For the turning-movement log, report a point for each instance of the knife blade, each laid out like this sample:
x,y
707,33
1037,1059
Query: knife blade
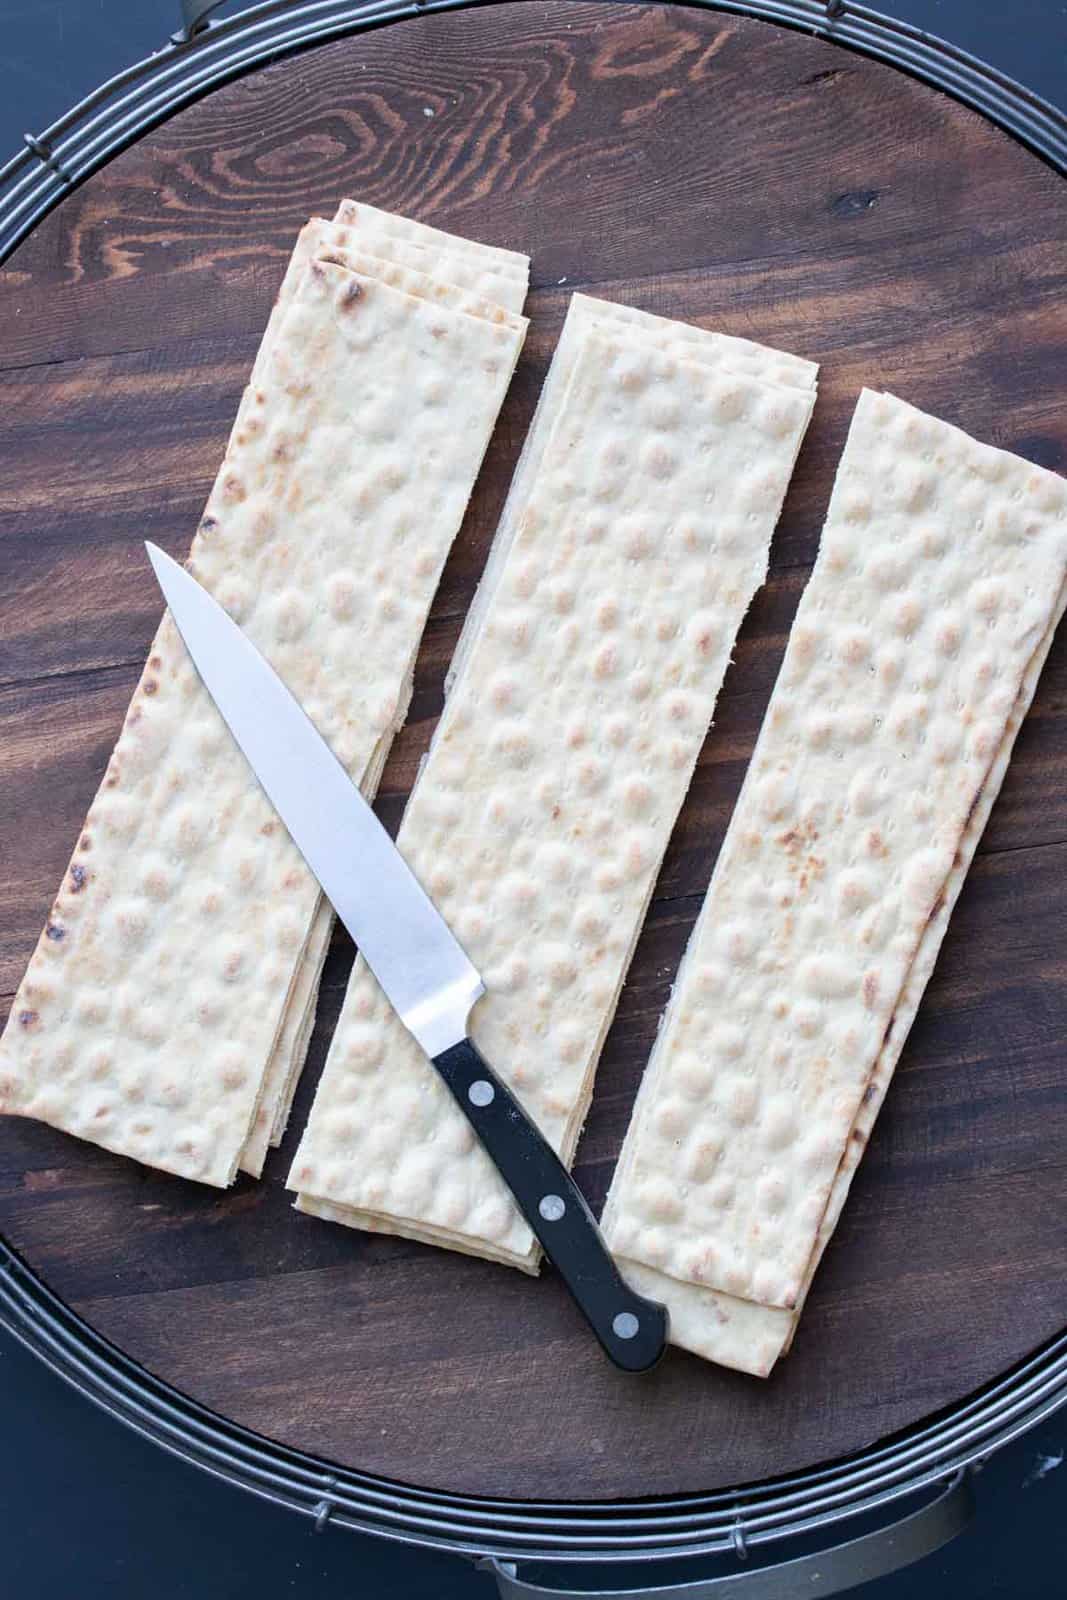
x,y
425,973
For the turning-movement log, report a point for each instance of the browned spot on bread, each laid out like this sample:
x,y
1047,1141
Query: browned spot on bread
x,y
28,1018
78,877
155,663
351,292
870,990
207,525
85,843
150,686
54,931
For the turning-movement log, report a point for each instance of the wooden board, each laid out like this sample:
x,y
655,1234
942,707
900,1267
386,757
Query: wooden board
x,y
703,167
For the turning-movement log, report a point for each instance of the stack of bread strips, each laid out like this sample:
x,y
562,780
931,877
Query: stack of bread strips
x,y
152,1004
637,537
384,246
498,276
910,666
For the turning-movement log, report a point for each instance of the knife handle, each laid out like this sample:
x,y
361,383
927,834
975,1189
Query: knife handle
x,y
632,1330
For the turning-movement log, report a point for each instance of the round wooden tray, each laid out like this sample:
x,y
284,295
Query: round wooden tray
x,y
705,167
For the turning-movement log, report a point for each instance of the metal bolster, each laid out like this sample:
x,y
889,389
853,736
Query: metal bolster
x,y
439,1021
816,1576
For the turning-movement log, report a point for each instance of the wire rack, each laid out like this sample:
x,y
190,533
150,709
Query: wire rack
x,y
199,57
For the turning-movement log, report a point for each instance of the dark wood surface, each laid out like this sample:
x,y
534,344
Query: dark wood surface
x,y
704,167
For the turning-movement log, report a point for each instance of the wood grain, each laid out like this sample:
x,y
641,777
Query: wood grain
x,y
718,170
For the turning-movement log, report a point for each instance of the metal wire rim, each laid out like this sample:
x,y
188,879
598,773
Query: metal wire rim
x,y
142,95
34,181
648,1530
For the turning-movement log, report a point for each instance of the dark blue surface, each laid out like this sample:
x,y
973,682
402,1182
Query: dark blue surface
x,y
87,1508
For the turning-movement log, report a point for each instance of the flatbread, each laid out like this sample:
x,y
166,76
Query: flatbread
x,y
358,214
151,1003
740,1333
679,339
563,755
913,657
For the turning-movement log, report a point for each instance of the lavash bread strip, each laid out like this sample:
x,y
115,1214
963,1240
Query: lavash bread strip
x,y
584,313
562,757
926,959
678,339
913,657
150,1005
750,1337
461,265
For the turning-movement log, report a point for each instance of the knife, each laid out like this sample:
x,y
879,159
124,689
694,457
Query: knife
x,y
428,978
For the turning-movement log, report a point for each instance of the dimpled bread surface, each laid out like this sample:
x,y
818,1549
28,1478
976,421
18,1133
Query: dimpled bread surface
x,y
148,1011
913,657
751,1337
679,339
431,274
563,755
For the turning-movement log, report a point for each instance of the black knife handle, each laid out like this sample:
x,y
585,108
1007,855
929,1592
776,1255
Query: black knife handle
x,y
632,1330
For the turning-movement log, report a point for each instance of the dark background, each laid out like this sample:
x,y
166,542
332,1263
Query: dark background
x,y
89,1509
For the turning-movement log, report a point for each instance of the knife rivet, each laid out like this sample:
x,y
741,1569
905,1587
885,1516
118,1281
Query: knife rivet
x,y
625,1325
551,1207
481,1093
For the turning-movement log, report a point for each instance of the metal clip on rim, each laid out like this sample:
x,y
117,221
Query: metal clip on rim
x,y
195,14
